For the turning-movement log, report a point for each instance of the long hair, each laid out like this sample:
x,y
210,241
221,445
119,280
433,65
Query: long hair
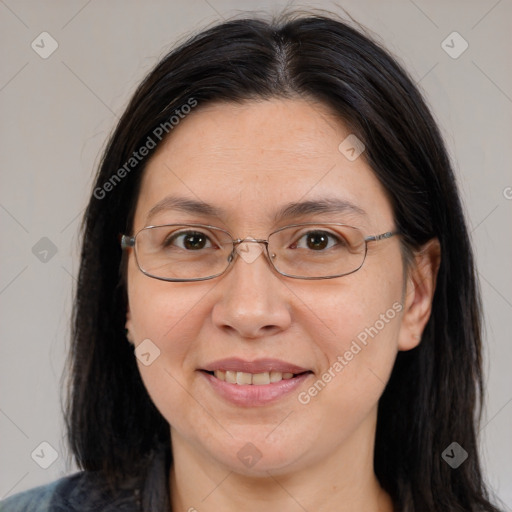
x,y
434,395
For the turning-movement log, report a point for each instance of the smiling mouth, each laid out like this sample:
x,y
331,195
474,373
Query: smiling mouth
x,y
253,379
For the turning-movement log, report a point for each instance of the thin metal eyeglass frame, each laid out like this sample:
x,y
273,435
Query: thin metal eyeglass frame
x,y
128,242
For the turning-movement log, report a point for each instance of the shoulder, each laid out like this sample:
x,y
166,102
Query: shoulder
x,y
36,499
82,491
89,491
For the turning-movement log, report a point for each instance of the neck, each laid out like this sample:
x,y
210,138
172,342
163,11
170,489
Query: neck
x,y
344,481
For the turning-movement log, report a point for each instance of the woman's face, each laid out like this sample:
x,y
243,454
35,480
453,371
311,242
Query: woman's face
x,y
341,335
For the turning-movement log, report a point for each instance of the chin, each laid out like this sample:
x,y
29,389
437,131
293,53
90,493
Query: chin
x,y
255,455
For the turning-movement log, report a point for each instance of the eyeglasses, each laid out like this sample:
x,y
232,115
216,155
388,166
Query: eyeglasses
x,y
197,252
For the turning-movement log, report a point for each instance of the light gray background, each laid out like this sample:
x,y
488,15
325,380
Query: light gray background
x,y
56,114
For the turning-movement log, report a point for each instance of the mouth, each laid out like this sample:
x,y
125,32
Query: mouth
x,y
253,383
253,379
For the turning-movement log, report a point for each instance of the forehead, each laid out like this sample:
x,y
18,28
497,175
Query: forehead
x,y
252,161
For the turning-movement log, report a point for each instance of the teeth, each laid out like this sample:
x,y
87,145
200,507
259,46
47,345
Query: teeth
x,y
243,378
276,376
261,378
256,379
230,377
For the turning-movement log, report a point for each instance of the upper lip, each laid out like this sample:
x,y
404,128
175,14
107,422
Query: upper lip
x,y
234,364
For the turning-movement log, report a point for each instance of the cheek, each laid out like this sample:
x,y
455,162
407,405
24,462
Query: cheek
x,y
171,316
358,308
358,322
158,308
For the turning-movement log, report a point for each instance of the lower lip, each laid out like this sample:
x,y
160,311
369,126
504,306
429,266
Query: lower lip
x,y
250,395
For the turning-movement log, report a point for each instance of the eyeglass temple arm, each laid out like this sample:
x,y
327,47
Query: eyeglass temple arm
x,y
383,236
126,241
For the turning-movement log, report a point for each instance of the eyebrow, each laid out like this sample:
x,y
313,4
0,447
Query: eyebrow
x,y
324,205
288,211
186,205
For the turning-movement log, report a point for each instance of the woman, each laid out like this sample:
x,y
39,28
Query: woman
x,y
277,304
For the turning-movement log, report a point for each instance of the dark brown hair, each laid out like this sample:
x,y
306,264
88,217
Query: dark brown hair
x,y
434,394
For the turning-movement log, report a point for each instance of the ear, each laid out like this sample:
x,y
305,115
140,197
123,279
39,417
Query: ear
x,y
419,293
129,327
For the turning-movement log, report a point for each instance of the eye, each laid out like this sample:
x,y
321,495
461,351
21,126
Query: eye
x,y
318,241
188,240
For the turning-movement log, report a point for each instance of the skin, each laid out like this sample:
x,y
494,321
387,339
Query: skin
x,y
251,159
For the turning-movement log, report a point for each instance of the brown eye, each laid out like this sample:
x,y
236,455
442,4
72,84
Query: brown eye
x,y
318,241
189,240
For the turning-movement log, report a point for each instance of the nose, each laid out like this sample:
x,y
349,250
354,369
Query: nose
x,y
252,300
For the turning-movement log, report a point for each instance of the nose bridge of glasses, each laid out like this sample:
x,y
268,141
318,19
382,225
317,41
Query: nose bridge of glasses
x,y
249,239
249,248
